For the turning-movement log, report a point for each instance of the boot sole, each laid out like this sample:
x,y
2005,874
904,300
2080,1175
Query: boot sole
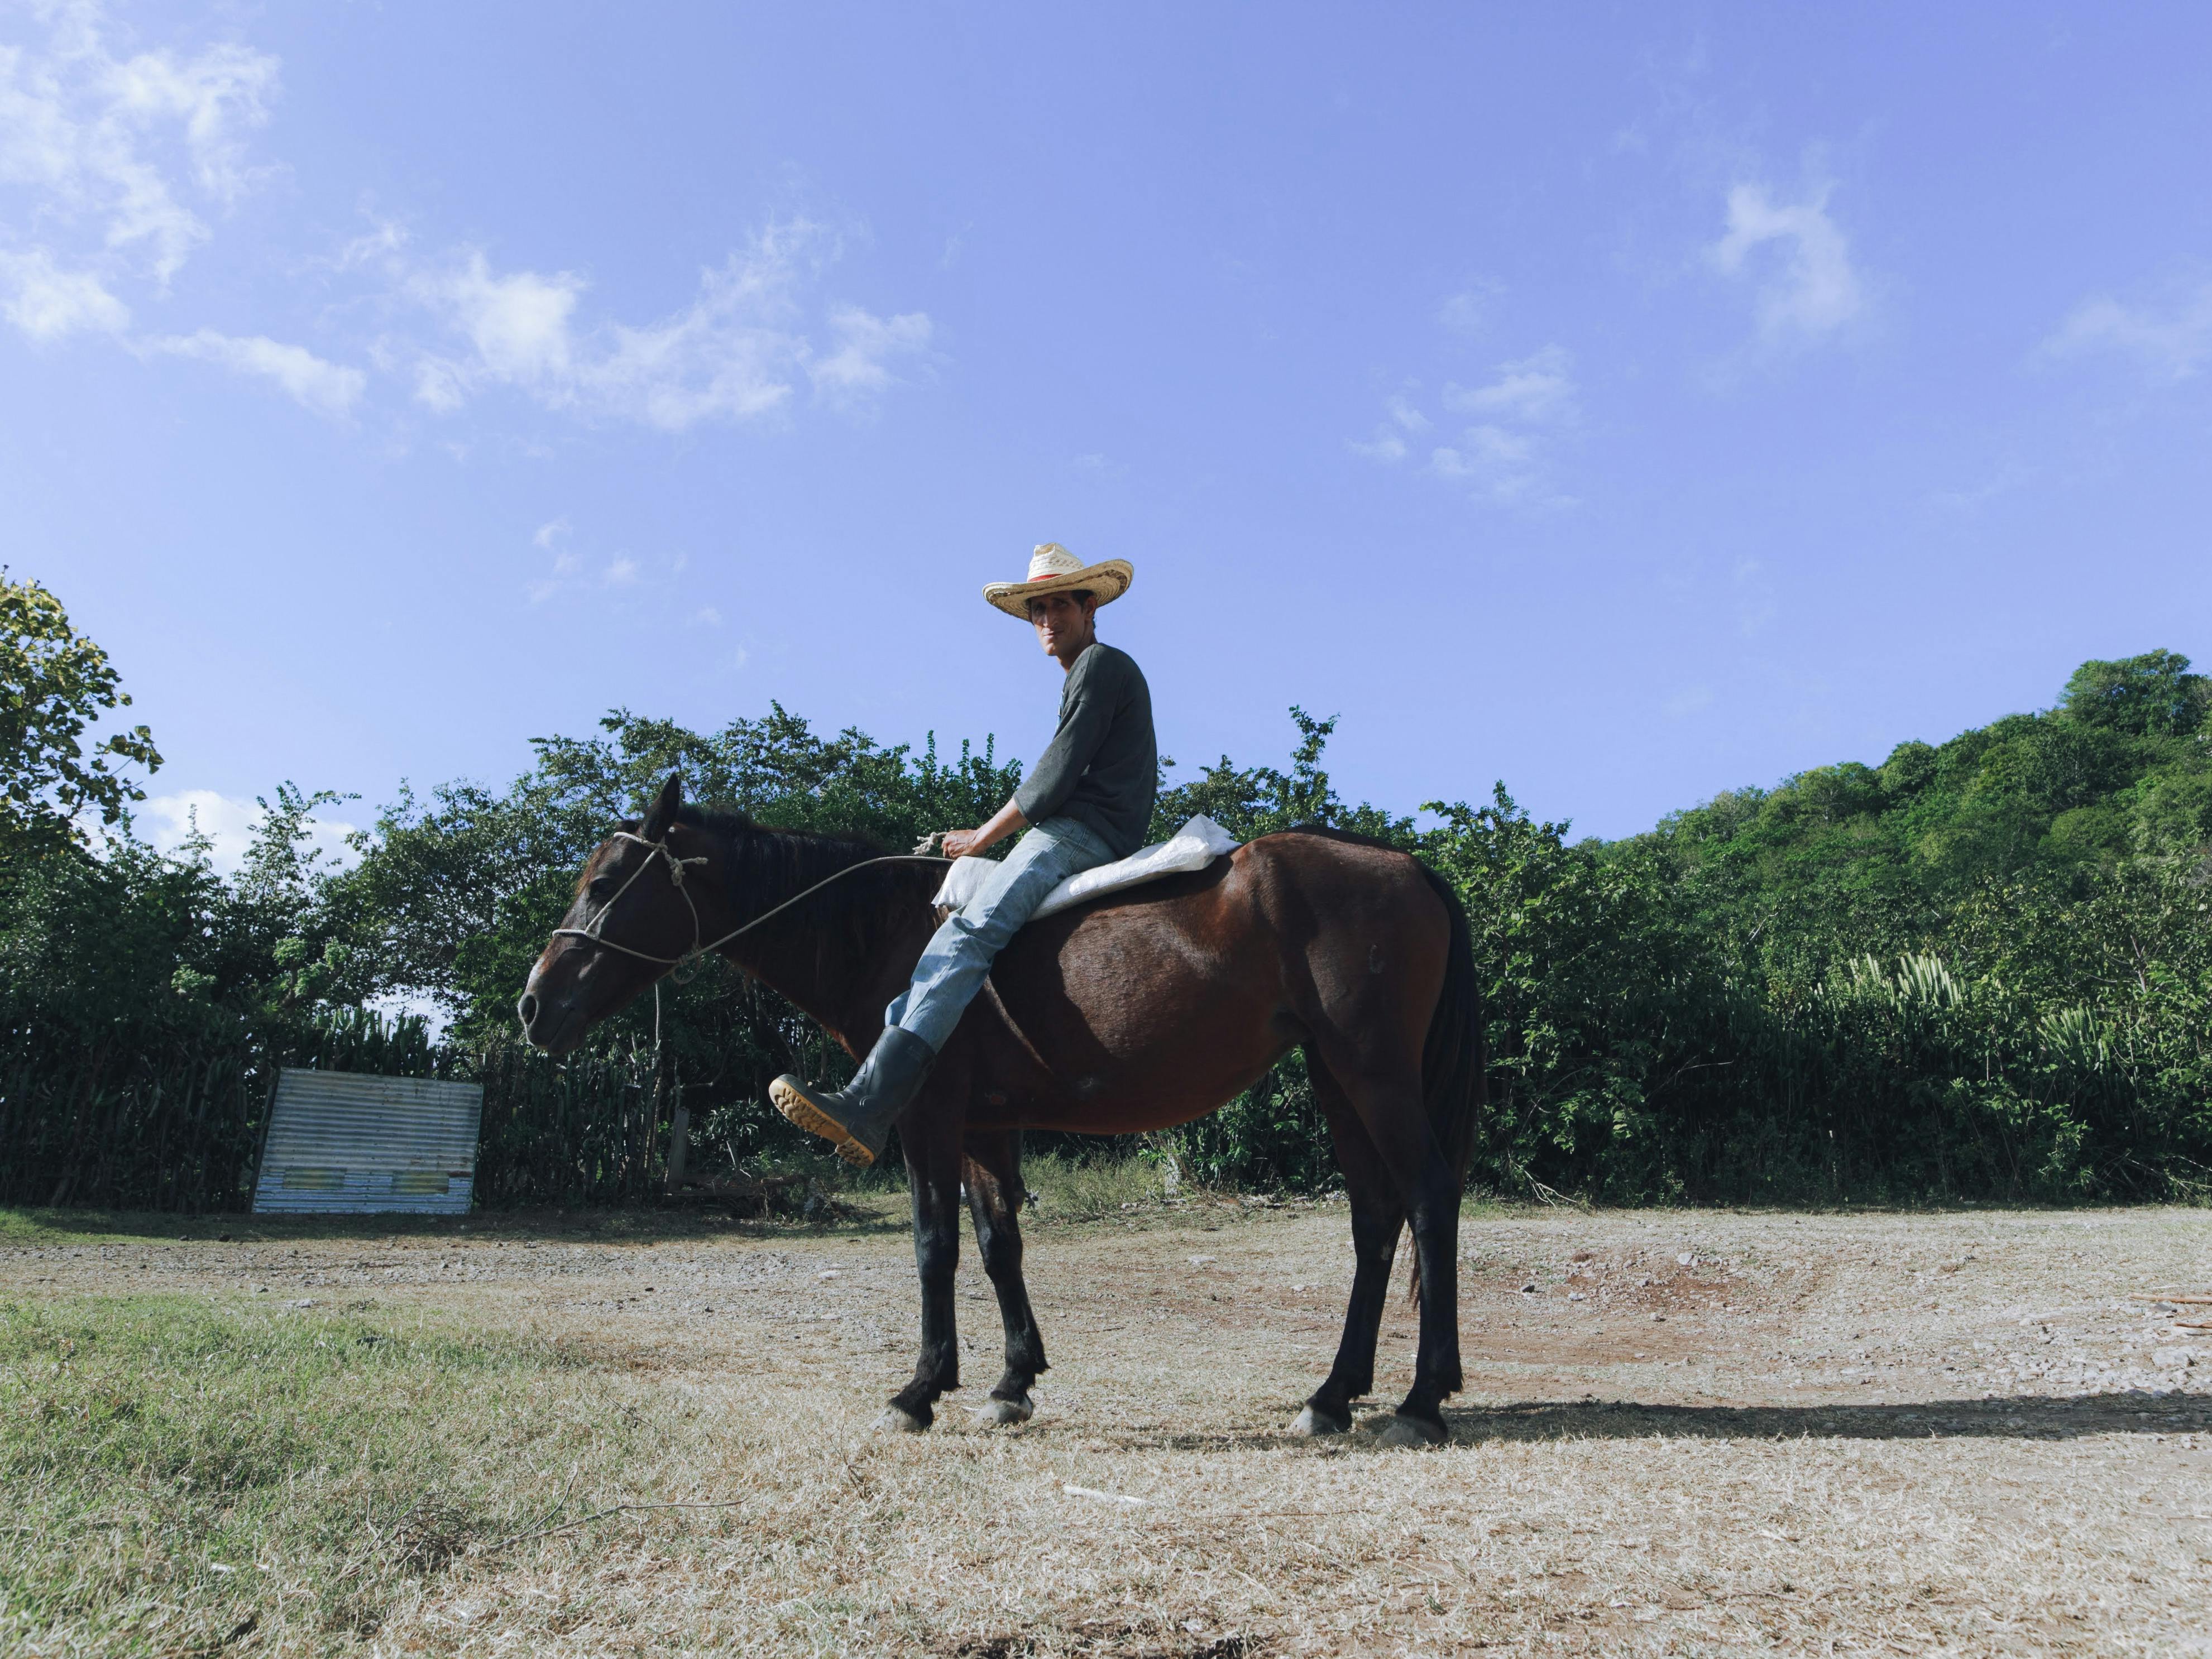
x,y
785,1095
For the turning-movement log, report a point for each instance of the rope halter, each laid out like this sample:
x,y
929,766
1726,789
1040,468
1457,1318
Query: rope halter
x,y
594,926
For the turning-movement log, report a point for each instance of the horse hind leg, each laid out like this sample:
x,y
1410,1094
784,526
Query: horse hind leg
x,y
995,1199
1391,1111
1377,1217
1434,1216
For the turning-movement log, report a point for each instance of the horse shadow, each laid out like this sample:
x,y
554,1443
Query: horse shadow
x,y
2010,1417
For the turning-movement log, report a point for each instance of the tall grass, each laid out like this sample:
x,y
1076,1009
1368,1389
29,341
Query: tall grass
x,y
1080,1188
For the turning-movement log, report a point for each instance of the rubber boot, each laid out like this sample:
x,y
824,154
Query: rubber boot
x,y
858,1116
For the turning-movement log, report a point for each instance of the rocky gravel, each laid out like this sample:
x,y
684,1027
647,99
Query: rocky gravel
x,y
1683,1431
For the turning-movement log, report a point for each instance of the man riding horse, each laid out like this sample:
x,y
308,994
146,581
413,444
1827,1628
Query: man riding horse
x,y
1088,802
1130,1011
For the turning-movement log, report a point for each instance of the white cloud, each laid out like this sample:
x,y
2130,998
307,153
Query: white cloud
x,y
1813,290
48,303
440,386
565,568
518,325
731,355
737,352
1539,390
1487,451
327,388
1467,311
1973,497
1503,458
108,149
374,247
1688,702
867,344
2172,342
1385,446
1388,443
108,155
228,823
112,164
624,579
1499,465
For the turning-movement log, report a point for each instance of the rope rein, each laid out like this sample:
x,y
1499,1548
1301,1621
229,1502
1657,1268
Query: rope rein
x,y
594,926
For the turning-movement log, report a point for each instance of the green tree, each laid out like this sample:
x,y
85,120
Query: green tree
x,y
2153,694
54,684
1981,970
1262,800
457,893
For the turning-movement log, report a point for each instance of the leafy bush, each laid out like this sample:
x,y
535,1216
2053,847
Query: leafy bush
x,y
1979,969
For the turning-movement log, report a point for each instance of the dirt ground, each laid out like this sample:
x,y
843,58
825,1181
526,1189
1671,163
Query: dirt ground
x,y
1682,1433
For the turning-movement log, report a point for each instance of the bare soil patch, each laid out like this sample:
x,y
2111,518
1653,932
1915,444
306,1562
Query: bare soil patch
x,y
1683,1433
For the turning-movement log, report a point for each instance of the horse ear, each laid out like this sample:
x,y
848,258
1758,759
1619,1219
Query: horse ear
x,y
663,813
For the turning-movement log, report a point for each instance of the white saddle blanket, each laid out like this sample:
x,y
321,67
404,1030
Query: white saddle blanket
x,y
1193,847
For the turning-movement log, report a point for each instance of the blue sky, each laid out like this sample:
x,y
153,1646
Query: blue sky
x,y
1628,402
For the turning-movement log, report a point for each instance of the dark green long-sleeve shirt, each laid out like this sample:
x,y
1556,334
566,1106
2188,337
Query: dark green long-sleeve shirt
x,y
1102,768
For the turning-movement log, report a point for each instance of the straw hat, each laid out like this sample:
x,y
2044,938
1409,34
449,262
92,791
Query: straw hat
x,y
1053,569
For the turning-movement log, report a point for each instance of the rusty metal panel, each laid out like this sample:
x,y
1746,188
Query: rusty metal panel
x,y
351,1143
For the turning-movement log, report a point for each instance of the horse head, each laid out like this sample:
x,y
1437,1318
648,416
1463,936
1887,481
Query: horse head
x,y
636,915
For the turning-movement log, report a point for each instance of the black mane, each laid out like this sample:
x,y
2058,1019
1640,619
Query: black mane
x,y
763,867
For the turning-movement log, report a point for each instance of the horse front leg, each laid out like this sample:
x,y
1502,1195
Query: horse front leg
x,y
929,1134
995,1198
1377,1217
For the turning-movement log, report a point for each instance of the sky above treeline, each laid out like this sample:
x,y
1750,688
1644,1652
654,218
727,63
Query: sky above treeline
x,y
1628,402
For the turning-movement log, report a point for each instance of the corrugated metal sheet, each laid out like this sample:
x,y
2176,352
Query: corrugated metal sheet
x,y
350,1143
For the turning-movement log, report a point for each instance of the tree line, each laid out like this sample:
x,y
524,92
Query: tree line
x,y
1979,969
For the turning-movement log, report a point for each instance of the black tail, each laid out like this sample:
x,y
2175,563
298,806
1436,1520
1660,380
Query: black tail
x,y
1453,1061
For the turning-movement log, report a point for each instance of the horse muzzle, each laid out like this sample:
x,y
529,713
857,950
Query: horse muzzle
x,y
548,1024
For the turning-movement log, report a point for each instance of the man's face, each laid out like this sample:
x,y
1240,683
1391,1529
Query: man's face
x,y
1061,620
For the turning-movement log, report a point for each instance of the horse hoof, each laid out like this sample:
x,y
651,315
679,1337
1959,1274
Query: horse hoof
x,y
898,1420
995,1414
1310,1421
1413,1431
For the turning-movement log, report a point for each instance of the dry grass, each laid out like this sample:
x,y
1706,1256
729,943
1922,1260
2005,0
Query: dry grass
x,y
1944,1433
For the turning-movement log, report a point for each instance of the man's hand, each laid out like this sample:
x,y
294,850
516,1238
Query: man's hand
x,y
1007,821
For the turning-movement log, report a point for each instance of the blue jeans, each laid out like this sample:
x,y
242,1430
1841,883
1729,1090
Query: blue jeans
x,y
959,953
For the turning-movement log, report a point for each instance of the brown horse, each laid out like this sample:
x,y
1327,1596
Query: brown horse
x,y
1140,1010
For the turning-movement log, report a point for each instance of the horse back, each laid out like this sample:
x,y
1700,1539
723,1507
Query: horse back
x,y
1153,1006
